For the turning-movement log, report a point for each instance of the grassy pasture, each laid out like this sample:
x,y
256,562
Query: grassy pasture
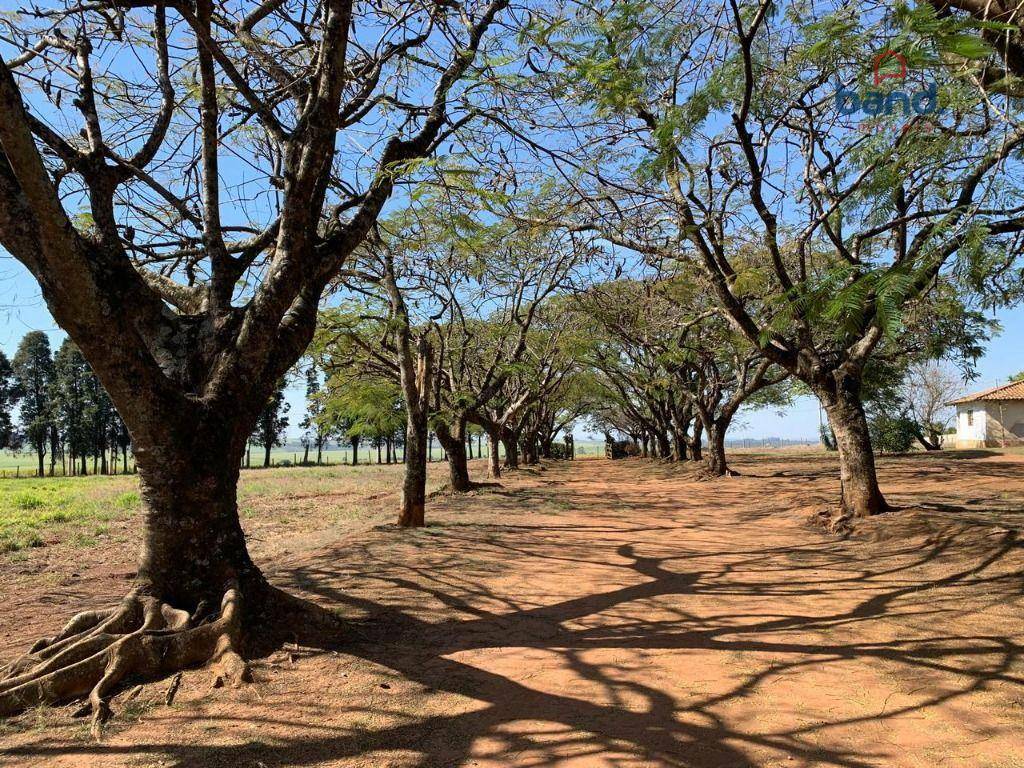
x,y
31,509
24,463
35,512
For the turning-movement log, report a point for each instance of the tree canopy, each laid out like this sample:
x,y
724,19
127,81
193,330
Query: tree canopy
x,y
485,215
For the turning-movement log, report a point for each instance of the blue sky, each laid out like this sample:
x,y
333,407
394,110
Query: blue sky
x,y
22,310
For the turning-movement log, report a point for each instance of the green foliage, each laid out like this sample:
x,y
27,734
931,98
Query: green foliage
x,y
10,393
70,389
81,410
272,422
366,408
33,369
828,437
892,433
315,428
926,32
890,426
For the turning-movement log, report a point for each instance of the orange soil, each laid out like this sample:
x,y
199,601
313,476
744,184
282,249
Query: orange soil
x,y
616,615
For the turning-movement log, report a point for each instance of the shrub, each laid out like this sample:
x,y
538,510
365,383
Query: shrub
x,y
892,434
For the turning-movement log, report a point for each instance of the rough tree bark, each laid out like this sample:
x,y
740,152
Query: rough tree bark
x,y
717,466
453,439
679,450
493,454
696,441
511,444
546,444
196,593
860,495
664,445
416,377
185,379
414,485
529,450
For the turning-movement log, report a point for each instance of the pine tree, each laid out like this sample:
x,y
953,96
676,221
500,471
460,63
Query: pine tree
x,y
315,431
33,369
10,393
72,404
272,423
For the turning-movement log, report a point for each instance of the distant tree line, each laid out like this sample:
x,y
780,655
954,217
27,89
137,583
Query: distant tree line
x,y
52,405
359,413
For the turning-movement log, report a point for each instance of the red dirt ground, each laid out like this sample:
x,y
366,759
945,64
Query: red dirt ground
x,y
615,615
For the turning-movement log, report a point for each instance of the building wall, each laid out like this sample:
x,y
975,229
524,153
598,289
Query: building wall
x,y
970,432
995,423
1006,426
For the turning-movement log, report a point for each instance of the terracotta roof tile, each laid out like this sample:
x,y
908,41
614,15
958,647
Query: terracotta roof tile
x,y
1012,391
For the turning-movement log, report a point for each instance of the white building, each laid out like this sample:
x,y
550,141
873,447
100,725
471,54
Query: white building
x,y
991,419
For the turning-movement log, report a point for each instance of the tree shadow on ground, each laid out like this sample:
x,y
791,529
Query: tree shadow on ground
x,y
397,632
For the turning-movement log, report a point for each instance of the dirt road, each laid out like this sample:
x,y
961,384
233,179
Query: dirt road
x,y
623,615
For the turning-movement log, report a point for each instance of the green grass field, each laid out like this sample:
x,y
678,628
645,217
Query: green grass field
x,y
29,508
369,456
34,511
24,464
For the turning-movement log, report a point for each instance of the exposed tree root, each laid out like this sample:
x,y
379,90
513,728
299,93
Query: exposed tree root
x,y
704,475
833,521
142,639
447,490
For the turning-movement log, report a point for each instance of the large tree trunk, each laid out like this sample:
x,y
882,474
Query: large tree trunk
x,y
494,454
546,444
454,443
717,466
696,447
930,442
529,451
196,591
664,446
511,443
678,445
40,454
414,485
266,454
860,494
192,540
